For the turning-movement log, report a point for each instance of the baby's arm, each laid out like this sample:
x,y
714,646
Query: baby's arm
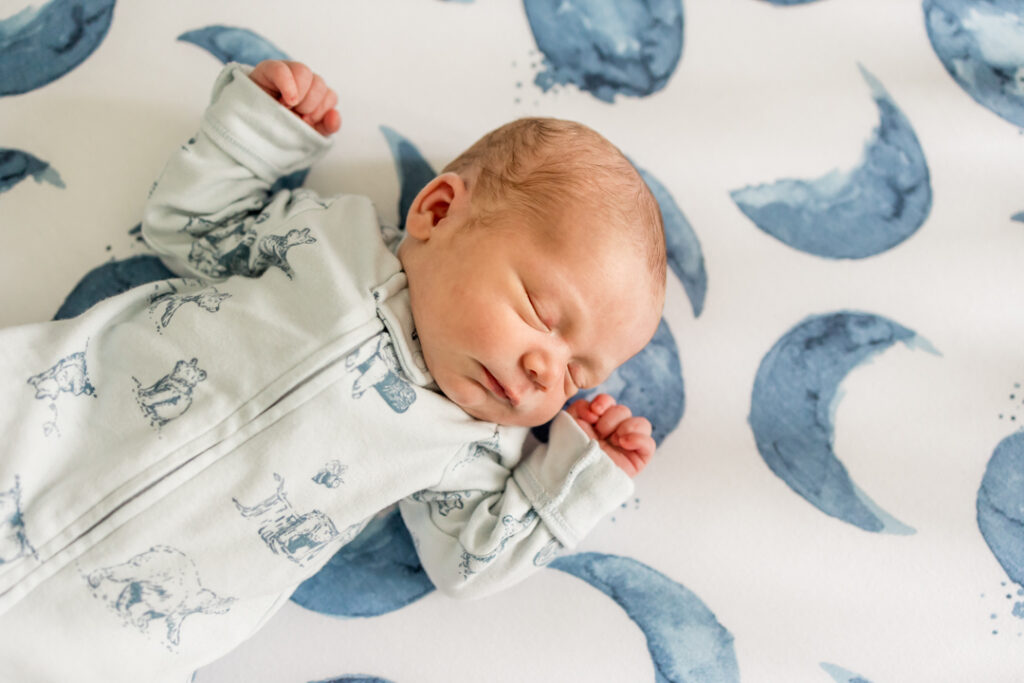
x,y
494,518
202,216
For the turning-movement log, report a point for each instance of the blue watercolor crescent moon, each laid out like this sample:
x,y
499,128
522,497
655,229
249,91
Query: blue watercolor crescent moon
x,y
793,404
354,678
1019,217
232,44
16,165
981,44
853,214
685,257
686,641
378,572
39,45
607,47
1000,507
841,675
111,279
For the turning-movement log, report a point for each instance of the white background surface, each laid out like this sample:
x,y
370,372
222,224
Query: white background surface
x,y
761,93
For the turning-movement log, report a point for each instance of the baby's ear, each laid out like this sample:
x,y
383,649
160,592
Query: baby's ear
x,y
434,203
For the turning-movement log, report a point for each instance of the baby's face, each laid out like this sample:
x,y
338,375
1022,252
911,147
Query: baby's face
x,y
513,323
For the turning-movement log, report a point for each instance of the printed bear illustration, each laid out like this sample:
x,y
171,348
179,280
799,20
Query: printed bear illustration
x,y
298,537
68,376
13,542
160,584
237,250
378,365
208,300
171,396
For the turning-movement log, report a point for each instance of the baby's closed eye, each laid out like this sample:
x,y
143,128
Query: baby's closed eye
x,y
537,320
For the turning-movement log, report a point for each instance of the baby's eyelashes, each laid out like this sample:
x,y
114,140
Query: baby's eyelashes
x,y
539,322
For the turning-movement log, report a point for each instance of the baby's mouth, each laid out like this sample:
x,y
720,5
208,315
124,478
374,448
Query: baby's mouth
x,y
497,388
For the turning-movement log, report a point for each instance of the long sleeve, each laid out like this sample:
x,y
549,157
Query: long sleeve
x,y
494,518
205,213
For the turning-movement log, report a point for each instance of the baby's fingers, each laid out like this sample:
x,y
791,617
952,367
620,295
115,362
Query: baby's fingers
x,y
314,96
301,78
601,403
327,103
276,79
329,124
580,409
611,419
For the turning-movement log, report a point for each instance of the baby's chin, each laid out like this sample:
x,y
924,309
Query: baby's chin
x,y
505,415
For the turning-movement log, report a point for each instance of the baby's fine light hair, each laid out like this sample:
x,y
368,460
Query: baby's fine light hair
x,y
542,168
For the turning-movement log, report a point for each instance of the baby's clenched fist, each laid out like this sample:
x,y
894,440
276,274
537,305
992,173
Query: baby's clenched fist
x,y
296,87
626,439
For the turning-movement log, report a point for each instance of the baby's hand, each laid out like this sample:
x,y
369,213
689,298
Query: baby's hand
x,y
296,87
626,439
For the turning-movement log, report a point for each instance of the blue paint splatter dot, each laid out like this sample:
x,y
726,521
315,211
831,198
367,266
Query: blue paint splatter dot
x,y
686,641
378,572
981,44
1019,217
38,46
685,257
356,678
793,408
854,214
16,165
607,47
1000,507
231,44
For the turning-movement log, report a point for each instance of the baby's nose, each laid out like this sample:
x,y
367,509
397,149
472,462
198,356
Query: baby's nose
x,y
543,368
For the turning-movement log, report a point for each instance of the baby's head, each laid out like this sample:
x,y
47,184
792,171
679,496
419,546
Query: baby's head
x,y
536,266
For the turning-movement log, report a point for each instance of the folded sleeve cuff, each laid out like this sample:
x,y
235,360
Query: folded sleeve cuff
x,y
256,130
571,482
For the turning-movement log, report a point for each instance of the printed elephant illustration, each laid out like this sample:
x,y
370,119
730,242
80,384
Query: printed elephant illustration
x,y
171,395
378,365
161,583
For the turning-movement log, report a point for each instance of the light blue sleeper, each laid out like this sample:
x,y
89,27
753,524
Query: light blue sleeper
x,y
176,460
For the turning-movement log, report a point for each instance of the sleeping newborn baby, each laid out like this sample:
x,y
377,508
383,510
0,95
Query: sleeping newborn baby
x,y
177,459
